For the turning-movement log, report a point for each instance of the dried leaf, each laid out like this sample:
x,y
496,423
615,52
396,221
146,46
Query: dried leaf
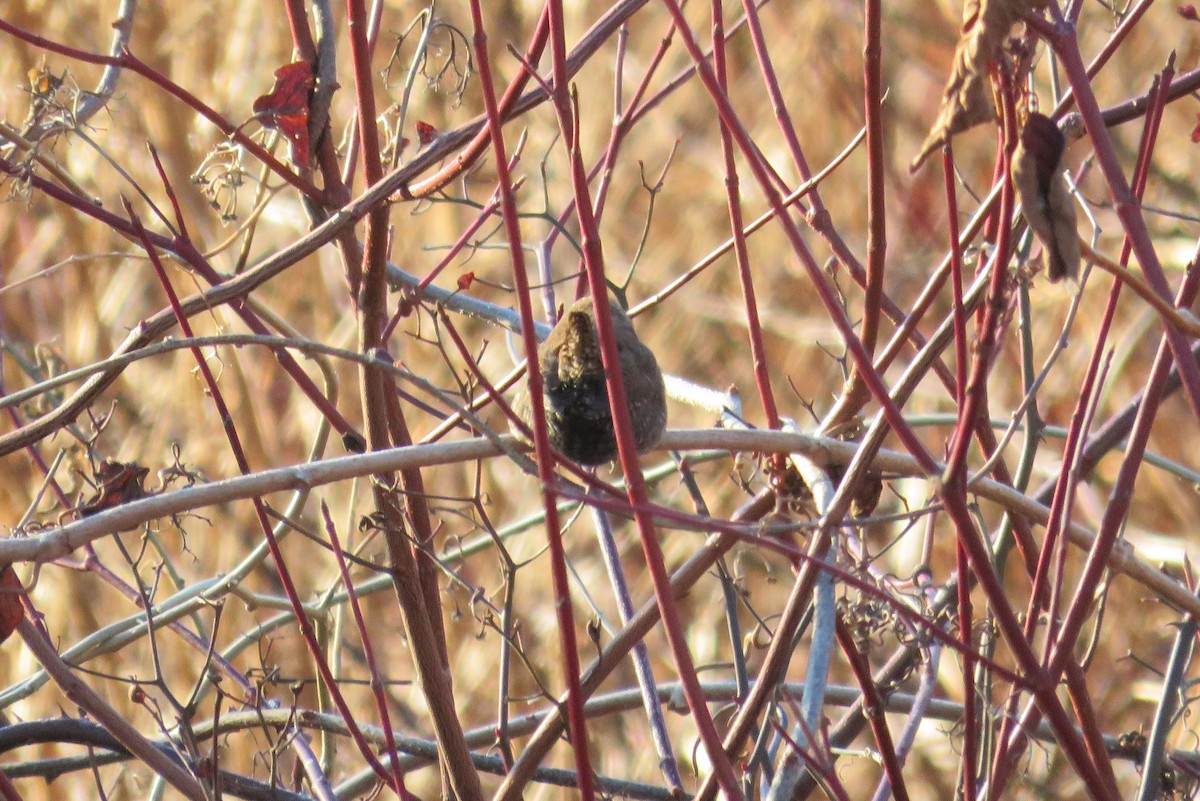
x,y
117,483
426,133
965,104
286,107
967,98
12,612
43,83
1041,184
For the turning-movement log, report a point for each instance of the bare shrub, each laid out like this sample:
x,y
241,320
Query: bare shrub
x,y
919,526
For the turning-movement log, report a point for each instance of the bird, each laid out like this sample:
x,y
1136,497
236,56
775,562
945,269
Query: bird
x,y
1040,178
575,388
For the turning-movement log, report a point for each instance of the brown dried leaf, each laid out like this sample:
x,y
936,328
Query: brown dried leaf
x,y
12,612
967,102
967,98
117,483
1041,184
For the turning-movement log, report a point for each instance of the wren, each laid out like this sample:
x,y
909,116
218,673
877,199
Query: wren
x,y
575,388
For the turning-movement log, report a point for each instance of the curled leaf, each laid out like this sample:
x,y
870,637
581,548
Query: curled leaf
x,y
426,133
286,107
967,98
117,483
966,102
11,610
1041,184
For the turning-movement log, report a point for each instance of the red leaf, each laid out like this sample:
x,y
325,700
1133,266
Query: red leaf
x,y
426,133
1196,130
286,107
117,483
11,610
465,280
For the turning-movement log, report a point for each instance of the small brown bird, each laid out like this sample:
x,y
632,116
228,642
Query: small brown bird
x,y
575,388
1040,178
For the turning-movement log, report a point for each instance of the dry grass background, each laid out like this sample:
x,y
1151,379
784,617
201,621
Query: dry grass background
x,y
72,289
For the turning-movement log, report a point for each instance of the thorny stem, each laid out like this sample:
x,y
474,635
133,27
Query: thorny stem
x,y
413,577
593,260
873,704
364,634
1126,205
615,652
545,461
38,642
285,578
470,153
876,213
222,291
956,268
956,469
819,280
758,351
953,492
